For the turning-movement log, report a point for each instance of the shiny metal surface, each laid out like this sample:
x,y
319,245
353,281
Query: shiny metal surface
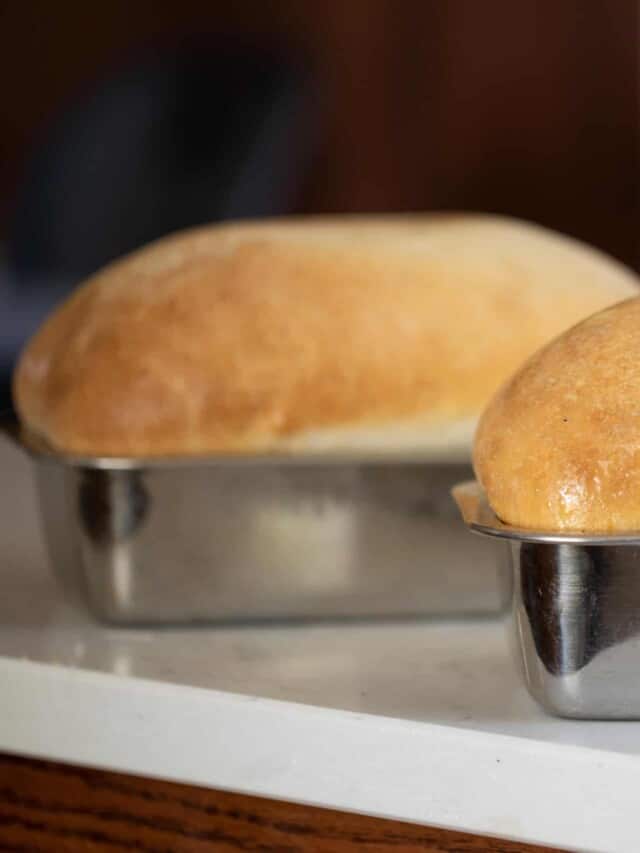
x,y
480,518
574,616
229,539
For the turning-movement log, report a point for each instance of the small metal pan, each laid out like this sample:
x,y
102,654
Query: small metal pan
x,y
245,538
574,615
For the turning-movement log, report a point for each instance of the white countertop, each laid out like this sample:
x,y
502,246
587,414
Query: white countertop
x,y
419,721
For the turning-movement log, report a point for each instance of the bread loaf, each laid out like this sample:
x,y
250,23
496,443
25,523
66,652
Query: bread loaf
x,y
558,448
371,334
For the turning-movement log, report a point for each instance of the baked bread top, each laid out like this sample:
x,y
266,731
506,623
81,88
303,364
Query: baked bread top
x,y
558,448
369,334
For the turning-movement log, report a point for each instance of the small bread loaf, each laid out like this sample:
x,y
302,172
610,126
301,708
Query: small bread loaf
x,y
558,448
374,334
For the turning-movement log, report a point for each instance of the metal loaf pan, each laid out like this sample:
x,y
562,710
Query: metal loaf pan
x,y
575,612
188,540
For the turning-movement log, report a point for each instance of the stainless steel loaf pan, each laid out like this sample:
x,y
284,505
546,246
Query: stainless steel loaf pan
x,y
575,613
270,538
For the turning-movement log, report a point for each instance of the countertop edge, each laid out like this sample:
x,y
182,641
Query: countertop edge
x,y
424,773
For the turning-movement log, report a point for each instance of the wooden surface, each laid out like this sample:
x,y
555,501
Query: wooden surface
x,y
58,808
527,108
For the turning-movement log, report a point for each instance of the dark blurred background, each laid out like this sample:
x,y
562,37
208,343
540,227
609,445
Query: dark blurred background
x,y
123,121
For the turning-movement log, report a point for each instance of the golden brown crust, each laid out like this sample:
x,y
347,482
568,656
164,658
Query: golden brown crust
x,y
250,337
558,448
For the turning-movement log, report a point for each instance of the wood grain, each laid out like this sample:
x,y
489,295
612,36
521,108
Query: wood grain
x,y
55,808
